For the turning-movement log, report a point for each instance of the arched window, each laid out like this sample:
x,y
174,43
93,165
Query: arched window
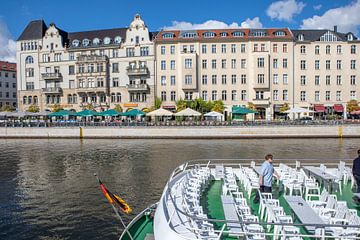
x,y
30,100
25,99
107,40
353,49
113,98
48,99
338,49
58,99
117,39
75,43
209,34
86,42
301,37
238,34
29,59
223,34
70,99
74,98
327,49
36,100
96,41
118,97
279,33
317,49
168,35
350,37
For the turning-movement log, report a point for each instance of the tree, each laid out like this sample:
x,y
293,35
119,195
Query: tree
x,y
181,105
284,107
33,108
89,106
218,106
118,108
7,108
56,108
352,105
251,106
158,103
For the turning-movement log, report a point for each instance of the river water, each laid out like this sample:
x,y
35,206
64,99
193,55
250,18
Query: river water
x,y
48,190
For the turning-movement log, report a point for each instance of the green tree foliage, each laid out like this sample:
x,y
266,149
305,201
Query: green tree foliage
x,y
181,104
56,108
284,107
7,108
33,108
352,105
251,106
218,106
118,108
158,103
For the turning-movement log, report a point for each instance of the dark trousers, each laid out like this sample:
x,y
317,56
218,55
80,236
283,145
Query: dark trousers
x,y
357,179
263,189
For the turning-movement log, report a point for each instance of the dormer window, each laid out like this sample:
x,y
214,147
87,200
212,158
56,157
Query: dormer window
x,y
86,42
189,35
209,35
223,34
301,37
279,33
107,40
75,43
96,41
117,39
350,37
168,35
238,34
259,34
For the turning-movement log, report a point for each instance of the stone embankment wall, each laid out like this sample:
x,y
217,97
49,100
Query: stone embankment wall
x,y
236,132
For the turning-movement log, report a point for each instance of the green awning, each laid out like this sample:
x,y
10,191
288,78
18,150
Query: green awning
x,y
242,111
62,113
86,113
108,113
133,113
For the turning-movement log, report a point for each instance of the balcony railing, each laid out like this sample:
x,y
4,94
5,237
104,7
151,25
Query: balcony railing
x,y
52,90
51,76
137,87
142,70
261,101
91,58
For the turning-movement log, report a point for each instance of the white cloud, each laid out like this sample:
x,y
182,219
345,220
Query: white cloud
x,y
214,24
317,7
347,19
285,9
7,44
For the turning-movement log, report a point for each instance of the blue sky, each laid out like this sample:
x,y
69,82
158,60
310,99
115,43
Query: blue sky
x,y
95,14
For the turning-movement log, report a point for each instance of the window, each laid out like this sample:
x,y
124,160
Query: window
x,y
317,64
327,96
353,64
256,47
203,49
275,48
70,99
279,33
213,64
57,57
172,80
338,95
275,63
317,96
353,95
338,64
260,62
352,80
285,95
317,80
14,85
144,51
233,95
302,49
163,80
243,78
223,34
260,79
188,79
243,95
237,34
303,80
338,80
262,48
115,82
163,65
285,48
30,86
29,60
204,95
188,63
163,96
168,35
118,97
243,63
327,80
223,95
6,84
91,68
285,63
327,49
301,37
115,67
214,79
71,70
276,95
338,49
223,79
204,63
259,95
99,67
353,49
223,63
29,72
204,79
317,49
214,95
233,63
302,64
213,48
173,96
233,79
71,56
223,48
46,58
303,96
275,78
242,48
328,37
209,34
130,52
285,79
233,48
327,64
162,50
172,49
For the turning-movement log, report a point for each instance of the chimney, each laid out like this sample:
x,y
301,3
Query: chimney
x,y
335,28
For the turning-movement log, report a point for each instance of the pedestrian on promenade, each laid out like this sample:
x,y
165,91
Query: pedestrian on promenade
x,y
267,172
356,171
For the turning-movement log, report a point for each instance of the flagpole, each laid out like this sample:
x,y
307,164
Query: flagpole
x,y
122,222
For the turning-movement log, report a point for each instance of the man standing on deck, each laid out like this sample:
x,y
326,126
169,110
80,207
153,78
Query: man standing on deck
x,y
356,171
267,172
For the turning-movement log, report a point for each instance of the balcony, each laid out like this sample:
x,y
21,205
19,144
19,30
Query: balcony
x,y
91,90
258,101
137,87
91,58
52,90
51,76
133,71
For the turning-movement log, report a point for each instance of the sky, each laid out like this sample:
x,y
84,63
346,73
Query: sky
x,y
81,15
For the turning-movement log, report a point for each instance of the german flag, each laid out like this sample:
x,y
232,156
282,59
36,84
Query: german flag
x,y
115,200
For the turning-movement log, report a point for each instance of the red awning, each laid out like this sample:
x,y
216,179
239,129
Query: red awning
x,y
338,108
319,108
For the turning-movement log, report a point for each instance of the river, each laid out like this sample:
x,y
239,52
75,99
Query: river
x,y
48,190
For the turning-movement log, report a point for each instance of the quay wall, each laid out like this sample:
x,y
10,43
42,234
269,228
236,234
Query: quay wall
x,y
195,132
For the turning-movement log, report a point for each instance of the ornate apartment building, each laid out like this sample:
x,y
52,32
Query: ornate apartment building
x,y
8,84
75,69
317,69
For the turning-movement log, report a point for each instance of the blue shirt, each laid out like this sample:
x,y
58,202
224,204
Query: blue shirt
x,y
267,171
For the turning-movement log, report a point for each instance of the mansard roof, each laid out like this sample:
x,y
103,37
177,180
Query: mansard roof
x,y
315,34
34,30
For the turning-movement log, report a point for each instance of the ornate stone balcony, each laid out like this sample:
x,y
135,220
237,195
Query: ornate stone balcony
x,y
51,76
141,70
137,87
52,90
258,101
